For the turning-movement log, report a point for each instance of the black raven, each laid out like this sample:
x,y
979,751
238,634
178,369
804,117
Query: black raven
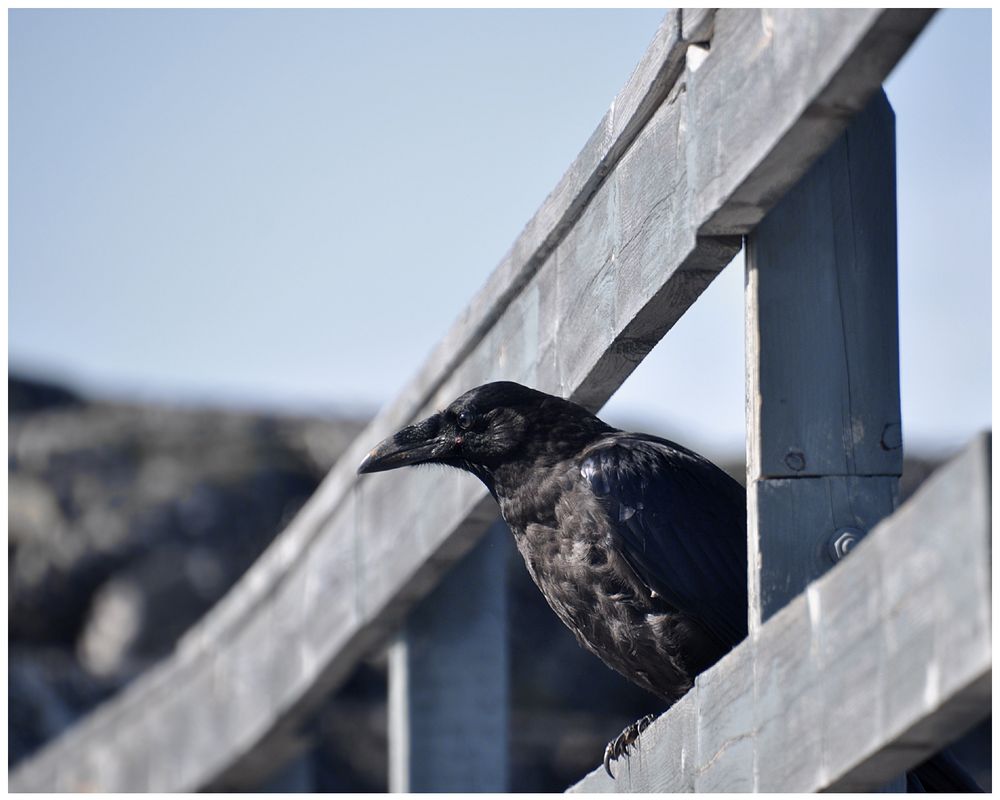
x,y
637,543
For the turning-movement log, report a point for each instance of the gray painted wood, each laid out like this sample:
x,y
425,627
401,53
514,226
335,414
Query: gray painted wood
x,y
448,680
824,450
822,273
726,726
362,553
771,61
823,415
877,665
697,24
797,518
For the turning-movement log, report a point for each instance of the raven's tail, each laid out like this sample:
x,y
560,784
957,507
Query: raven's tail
x,y
942,772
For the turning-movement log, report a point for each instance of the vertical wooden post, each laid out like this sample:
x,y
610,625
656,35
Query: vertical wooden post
x,y
448,680
824,444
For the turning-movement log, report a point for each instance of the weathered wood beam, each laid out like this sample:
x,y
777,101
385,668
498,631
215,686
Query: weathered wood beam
x,y
877,665
775,60
613,258
824,446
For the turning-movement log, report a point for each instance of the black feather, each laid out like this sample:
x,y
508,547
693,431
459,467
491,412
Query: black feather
x,y
679,521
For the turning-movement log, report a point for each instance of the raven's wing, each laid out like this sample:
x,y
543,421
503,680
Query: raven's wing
x,y
942,772
680,523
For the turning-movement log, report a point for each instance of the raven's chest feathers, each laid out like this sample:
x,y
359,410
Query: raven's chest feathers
x,y
564,534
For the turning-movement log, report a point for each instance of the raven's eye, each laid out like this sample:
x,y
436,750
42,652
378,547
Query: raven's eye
x,y
465,420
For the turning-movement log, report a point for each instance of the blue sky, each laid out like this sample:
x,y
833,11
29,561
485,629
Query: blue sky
x,y
288,209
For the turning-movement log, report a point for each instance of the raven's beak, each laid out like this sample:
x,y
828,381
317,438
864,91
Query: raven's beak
x,y
414,444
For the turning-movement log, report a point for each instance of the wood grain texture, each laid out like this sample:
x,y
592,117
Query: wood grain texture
x,y
697,24
726,725
777,88
823,411
878,664
823,295
357,570
823,431
798,518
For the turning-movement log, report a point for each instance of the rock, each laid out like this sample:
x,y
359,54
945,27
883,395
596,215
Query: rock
x,y
30,395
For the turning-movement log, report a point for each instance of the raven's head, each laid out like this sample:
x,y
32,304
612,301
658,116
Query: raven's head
x,y
486,428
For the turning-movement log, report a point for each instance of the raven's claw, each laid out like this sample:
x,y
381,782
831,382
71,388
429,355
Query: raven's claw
x,y
619,746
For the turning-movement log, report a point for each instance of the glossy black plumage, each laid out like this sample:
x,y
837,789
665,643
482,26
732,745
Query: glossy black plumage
x,y
679,522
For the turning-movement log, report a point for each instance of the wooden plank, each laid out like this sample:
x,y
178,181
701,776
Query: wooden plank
x,y
823,416
785,659
927,653
726,726
662,262
448,680
823,390
822,277
697,24
880,663
770,64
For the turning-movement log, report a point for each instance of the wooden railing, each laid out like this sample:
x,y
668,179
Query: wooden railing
x,y
725,114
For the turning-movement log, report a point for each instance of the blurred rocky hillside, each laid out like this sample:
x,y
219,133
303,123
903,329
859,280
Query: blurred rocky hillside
x,y
127,522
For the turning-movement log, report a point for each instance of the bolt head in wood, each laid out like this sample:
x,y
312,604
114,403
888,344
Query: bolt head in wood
x,y
795,460
842,542
892,436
